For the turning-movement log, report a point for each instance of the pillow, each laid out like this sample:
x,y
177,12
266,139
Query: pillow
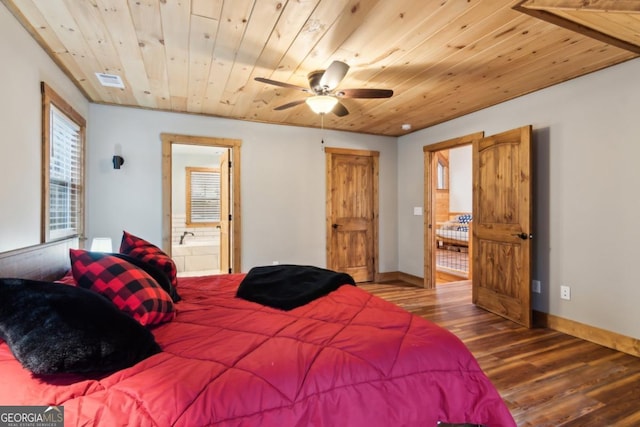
x,y
129,287
139,248
464,218
159,276
55,328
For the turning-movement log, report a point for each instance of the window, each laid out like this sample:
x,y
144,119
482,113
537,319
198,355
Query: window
x,y
442,171
203,196
63,134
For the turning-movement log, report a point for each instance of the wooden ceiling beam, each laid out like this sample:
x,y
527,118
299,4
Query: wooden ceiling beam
x,y
560,21
609,6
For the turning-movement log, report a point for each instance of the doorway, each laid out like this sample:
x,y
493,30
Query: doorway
x,y
500,237
454,199
448,214
201,203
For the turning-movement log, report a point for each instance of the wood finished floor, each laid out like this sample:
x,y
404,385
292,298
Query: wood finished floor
x,y
546,378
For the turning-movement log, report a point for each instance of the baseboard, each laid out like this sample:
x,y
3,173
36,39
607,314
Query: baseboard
x,y
411,279
589,333
398,276
389,276
593,334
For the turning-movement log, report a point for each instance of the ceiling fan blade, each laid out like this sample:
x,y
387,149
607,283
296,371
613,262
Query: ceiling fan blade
x,y
290,104
281,84
340,110
365,93
334,75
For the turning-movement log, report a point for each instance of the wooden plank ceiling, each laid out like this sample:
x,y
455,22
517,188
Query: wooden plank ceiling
x,y
442,58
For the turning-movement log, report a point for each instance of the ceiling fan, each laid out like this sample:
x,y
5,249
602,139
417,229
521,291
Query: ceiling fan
x,y
322,85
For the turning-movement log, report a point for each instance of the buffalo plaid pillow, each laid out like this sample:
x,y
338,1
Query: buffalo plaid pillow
x,y
130,288
139,248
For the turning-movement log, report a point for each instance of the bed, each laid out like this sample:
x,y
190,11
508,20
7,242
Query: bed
x,y
346,358
455,232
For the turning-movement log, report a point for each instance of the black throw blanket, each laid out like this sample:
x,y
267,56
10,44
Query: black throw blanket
x,y
289,286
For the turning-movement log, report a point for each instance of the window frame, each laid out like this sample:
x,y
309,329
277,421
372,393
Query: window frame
x,y
442,172
188,171
49,98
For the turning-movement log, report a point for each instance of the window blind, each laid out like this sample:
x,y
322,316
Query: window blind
x,y
205,196
65,175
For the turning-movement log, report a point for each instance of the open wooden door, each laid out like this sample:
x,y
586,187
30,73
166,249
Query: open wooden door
x,y
502,219
225,200
352,212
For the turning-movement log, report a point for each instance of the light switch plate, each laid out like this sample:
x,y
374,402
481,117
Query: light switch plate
x,y
536,287
417,210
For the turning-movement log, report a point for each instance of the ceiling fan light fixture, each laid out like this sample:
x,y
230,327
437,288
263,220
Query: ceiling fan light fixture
x,y
321,104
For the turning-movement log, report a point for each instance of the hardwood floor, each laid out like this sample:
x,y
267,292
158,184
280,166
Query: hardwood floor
x,y
546,378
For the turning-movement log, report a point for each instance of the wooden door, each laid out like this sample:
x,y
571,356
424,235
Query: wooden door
x,y
502,221
352,212
225,200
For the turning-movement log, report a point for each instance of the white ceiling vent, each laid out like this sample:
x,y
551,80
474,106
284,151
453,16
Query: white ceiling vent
x,y
110,80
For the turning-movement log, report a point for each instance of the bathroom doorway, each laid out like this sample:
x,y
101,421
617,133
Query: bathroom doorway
x,y
200,204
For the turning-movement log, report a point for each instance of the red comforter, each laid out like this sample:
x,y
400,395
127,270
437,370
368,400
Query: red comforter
x,y
346,359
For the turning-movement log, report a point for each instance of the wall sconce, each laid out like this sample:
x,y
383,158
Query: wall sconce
x,y
117,162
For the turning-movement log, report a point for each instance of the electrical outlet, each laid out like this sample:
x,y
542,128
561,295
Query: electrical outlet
x,y
536,287
565,292
275,263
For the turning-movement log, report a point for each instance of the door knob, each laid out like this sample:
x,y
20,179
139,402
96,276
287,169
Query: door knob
x,y
334,226
524,236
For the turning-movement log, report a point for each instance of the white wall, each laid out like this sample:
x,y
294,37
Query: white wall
x,y
282,182
24,66
586,176
460,179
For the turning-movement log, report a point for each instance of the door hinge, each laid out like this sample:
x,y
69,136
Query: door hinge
x,y
230,217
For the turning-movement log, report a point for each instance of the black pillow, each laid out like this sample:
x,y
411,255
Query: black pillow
x,y
55,328
153,271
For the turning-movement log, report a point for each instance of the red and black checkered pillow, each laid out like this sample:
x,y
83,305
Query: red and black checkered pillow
x,y
139,248
130,288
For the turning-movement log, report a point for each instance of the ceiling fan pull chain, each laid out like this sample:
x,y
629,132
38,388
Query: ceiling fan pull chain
x,y
322,132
